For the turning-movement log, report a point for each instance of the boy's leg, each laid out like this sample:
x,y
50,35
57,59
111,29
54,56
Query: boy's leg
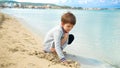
x,y
52,48
70,40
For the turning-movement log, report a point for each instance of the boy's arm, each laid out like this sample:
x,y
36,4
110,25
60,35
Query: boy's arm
x,y
57,40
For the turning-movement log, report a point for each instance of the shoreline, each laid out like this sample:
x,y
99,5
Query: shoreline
x,y
20,48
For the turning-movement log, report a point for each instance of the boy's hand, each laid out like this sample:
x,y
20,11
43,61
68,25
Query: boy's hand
x,y
64,61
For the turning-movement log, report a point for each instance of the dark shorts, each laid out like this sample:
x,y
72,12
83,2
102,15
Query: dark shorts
x,y
71,38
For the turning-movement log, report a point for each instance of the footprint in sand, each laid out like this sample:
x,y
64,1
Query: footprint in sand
x,y
5,65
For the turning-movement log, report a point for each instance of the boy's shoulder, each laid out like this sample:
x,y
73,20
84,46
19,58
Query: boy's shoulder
x,y
57,28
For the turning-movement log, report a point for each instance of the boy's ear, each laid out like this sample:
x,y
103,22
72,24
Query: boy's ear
x,y
62,23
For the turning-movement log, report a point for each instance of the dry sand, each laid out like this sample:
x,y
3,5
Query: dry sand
x,y
19,48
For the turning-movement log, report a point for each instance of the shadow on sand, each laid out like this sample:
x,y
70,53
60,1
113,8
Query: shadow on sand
x,y
84,60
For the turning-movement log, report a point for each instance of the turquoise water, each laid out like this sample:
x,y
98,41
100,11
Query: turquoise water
x,y
97,32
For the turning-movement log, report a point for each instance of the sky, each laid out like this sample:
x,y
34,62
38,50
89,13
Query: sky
x,y
80,3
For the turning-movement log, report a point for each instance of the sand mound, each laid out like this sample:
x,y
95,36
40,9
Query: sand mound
x,y
54,59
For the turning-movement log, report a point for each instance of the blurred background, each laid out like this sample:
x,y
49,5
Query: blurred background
x,y
97,32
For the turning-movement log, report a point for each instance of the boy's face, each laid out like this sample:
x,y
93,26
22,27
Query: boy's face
x,y
67,27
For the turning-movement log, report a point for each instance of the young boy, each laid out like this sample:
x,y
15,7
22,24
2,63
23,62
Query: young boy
x,y
58,38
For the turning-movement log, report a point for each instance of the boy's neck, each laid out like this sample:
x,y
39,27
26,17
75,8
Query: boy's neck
x,y
64,30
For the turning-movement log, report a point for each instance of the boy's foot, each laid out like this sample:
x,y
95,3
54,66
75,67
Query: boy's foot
x,y
52,49
64,52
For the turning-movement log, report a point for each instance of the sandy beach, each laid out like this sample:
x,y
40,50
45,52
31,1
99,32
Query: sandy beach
x,y
20,48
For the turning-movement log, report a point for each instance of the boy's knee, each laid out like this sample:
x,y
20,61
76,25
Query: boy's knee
x,y
71,38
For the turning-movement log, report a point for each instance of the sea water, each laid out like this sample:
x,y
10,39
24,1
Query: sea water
x,y
97,32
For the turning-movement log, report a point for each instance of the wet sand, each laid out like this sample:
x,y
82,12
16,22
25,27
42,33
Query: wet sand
x,y
20,48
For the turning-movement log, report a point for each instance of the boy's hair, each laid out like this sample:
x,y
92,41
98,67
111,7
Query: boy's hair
x,y
68,18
